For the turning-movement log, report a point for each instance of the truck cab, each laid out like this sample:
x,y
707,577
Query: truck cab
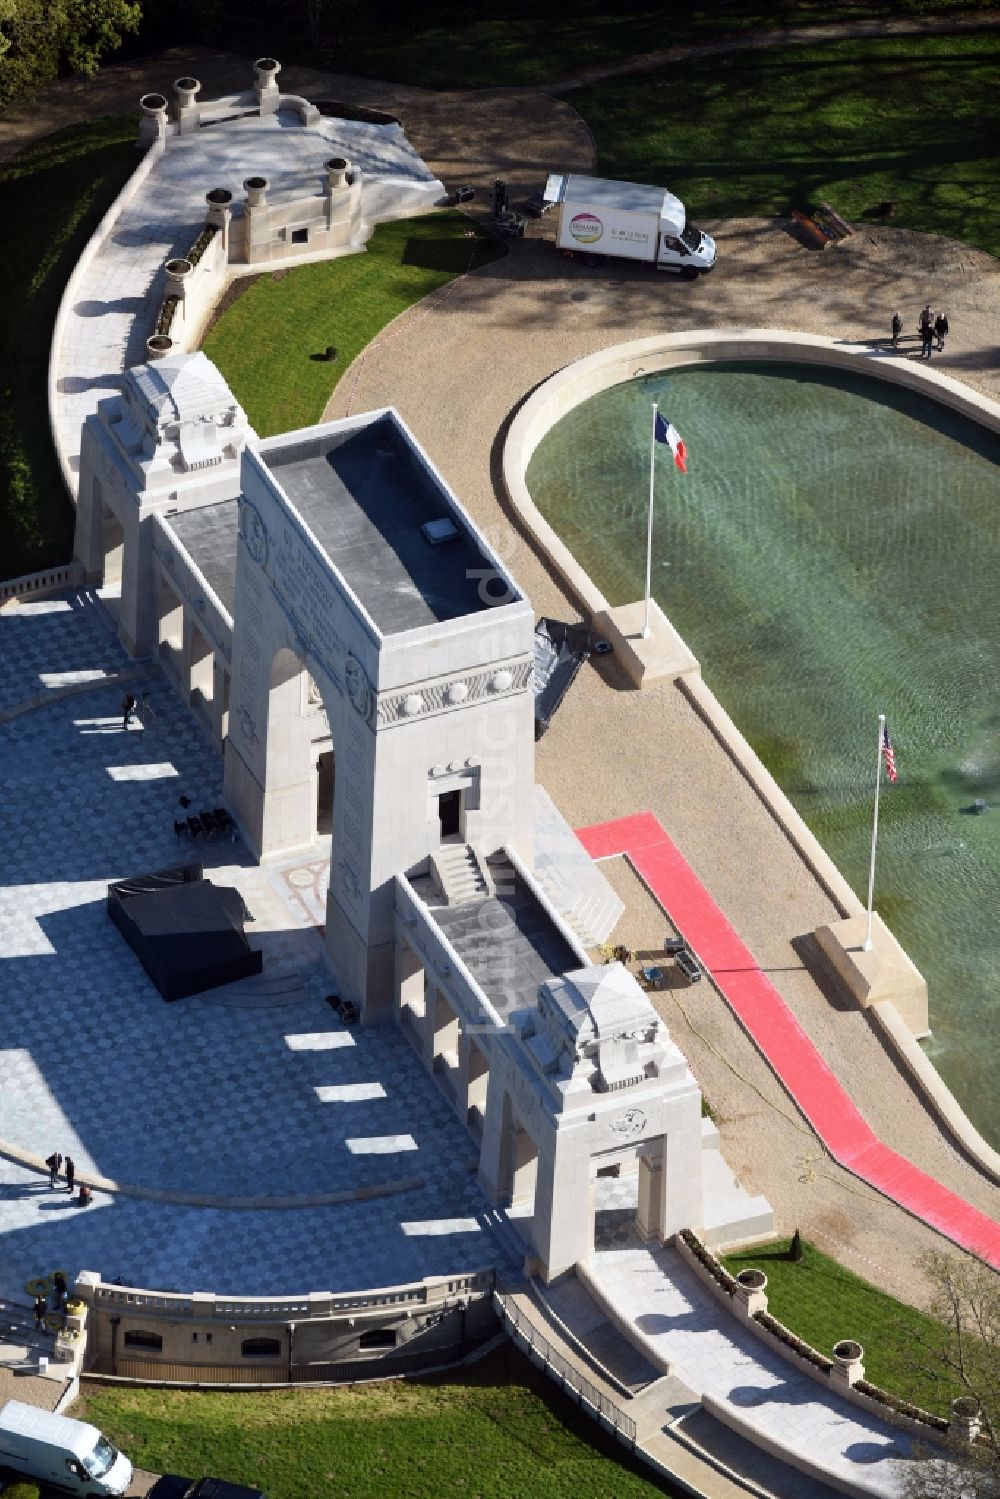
x,y
60,1453
689,252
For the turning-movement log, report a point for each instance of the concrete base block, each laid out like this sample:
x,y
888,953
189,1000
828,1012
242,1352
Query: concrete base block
x,y
662,654
886,972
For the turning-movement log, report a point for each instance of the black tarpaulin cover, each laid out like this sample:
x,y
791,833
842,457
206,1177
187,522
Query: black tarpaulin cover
x,y
186,932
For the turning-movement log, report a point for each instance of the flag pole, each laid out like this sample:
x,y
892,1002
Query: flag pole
x,y
867,945
646,630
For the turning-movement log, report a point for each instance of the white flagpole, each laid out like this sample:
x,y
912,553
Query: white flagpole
x,y
867,947
646,630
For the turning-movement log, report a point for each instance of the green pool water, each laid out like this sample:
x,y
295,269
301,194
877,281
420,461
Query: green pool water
x,y
831,553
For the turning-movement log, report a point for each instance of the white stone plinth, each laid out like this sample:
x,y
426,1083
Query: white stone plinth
x,y
646,658
886,972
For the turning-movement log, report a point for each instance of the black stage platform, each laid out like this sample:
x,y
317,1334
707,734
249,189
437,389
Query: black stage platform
x,y
186,932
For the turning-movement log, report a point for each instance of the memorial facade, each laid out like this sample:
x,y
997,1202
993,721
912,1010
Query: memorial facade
x,y
364,662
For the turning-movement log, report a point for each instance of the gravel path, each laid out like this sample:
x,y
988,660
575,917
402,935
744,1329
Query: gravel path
x,y
457,367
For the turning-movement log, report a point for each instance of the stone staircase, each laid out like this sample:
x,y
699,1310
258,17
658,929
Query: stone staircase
x,y
570,878
461,874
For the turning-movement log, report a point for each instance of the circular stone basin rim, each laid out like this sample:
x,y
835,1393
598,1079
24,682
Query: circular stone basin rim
x,y
178,267
159,341
337,164
966,1407
267,65
153,102
219,195
847,1351
257,183
187,85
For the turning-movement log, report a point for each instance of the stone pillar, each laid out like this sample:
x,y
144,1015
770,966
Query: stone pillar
x,y
682,1200
177,273
848,1367
220,700
474,1073
257,214
494,1153
751,1292
649,1214
563,1225
265,84
186,105
152,120
966,1418
409,983
220,214
524,1168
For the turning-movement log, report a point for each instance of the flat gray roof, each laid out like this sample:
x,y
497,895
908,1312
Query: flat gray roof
x,y
208,534
365,495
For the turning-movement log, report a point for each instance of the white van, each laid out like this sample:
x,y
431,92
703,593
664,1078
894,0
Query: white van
x,y
627,221
65,1454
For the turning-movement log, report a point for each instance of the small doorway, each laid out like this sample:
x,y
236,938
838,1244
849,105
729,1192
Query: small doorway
x,y
324,792
450,814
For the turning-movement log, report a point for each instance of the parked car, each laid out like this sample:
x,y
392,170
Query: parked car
x,y
172,1486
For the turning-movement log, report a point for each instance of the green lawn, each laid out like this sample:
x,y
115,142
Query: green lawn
x,y
488,43
501,1432
822,1302
54,194
852,123
266,344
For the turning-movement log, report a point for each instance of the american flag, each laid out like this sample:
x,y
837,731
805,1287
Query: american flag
x,y
888,754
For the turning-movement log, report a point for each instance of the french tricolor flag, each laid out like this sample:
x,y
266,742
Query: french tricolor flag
x,y
665,431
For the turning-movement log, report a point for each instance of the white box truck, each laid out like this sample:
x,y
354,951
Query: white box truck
x,y
629,221
61,1453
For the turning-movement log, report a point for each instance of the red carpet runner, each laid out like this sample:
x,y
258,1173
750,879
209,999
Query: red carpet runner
x,y
764,1014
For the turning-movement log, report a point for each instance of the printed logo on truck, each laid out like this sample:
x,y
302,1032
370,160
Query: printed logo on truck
x,y
586,228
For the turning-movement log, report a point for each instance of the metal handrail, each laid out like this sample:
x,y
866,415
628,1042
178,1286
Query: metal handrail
x,y
560,1368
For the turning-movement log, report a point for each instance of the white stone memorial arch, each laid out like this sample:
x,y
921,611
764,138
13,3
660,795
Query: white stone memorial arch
x,y
356,566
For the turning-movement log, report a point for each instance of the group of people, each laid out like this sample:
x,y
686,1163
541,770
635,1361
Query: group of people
x,y
931,326
60,1290
56,1164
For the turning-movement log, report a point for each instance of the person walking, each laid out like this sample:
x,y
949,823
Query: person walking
x,y
926,319
40,1310
128,709
941,329
926,340
59,1289
897,328
54,1162
70,1173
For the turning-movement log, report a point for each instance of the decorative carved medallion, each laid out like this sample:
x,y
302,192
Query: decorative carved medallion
x,y
444,697
629,1124
359,689
254,533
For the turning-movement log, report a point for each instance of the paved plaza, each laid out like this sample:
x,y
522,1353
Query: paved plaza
x,y
253,1091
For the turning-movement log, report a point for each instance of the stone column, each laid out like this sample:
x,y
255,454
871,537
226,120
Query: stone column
x,y
265,84
649,1214
152,120
186,91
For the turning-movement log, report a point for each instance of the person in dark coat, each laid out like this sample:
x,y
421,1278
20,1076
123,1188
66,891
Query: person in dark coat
x,y
40,1310
128,709
941,329
70,1173
926,340
897,328
54,1162
59,1288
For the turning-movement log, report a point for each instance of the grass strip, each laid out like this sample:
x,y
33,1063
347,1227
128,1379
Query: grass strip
x,y
270,342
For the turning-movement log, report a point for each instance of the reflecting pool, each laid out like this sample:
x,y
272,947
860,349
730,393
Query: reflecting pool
x,y
832,552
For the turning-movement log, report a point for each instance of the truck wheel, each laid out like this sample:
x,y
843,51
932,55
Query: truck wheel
x,y
689,273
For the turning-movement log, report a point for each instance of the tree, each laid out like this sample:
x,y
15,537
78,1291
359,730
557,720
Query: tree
x,y
961,1352
38,37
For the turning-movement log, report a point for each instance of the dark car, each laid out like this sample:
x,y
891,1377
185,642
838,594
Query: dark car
x,y
172,1486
